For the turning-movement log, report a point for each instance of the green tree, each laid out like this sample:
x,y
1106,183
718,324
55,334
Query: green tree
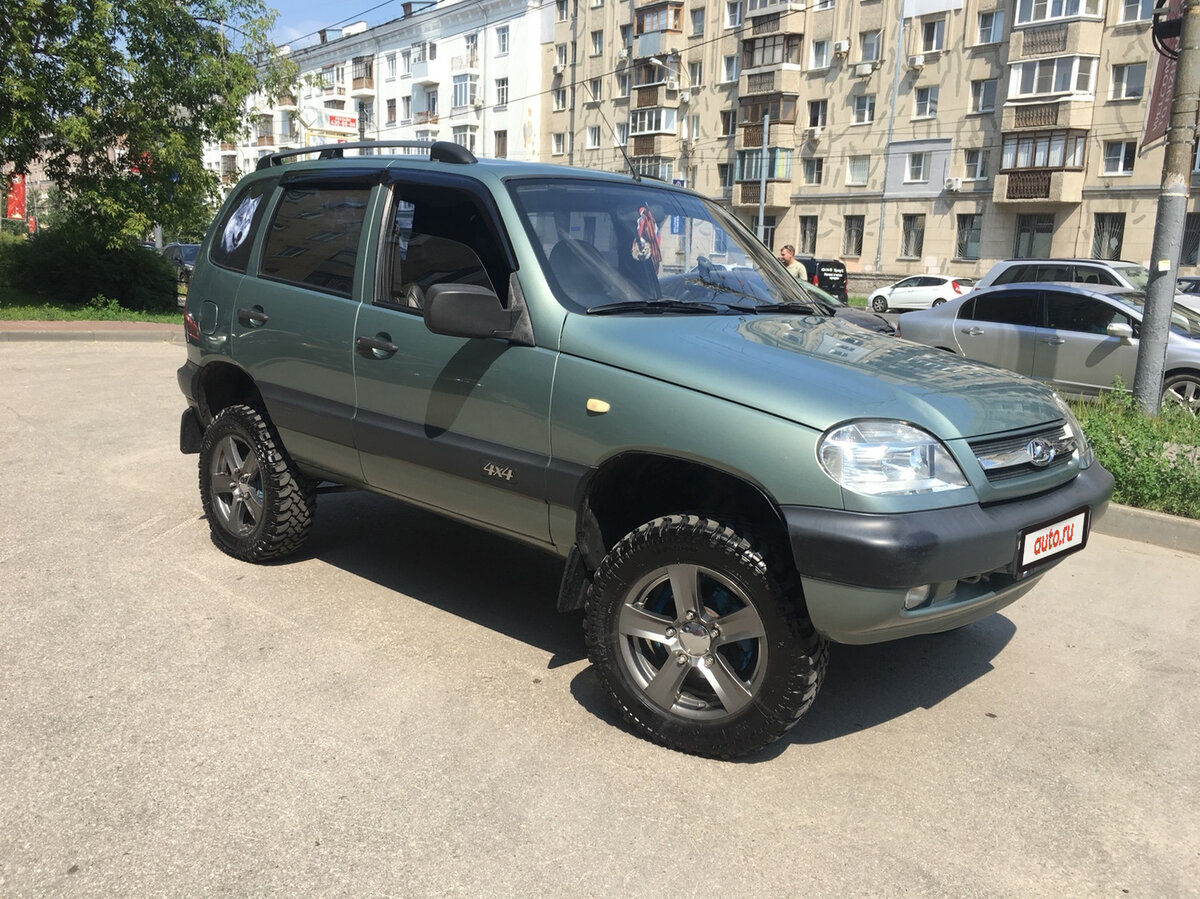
x,y
117,97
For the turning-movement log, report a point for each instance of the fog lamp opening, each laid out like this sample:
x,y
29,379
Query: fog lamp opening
x,y
918,596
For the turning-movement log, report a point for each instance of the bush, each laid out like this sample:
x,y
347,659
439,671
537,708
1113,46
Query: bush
x,y
71,265
1155,461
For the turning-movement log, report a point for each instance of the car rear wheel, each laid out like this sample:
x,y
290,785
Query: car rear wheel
x,y
697,642
879,304
938,302
259,506
1183,390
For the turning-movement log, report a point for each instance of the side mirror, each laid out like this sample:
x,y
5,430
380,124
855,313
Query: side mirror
x,y
467,310
1120,330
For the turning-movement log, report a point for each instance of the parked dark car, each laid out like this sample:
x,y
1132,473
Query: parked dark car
x,y
183,257
827,274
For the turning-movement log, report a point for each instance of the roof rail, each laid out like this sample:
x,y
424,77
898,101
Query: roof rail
x,y
439,151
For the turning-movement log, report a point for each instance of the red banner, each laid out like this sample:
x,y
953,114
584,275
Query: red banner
x,y
1162,89
15,207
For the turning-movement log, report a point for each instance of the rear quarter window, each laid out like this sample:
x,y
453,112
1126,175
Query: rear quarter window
x,y
235,232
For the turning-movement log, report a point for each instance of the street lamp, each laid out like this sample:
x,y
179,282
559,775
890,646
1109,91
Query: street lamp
x,y
675,73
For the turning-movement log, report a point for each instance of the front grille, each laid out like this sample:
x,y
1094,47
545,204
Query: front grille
x,y
1012,455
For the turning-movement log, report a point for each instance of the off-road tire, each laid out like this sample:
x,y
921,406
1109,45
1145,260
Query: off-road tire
x,y
259,506
637,633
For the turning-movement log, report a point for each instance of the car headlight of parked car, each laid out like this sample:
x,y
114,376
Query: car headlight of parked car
x,y
1086,456
888,458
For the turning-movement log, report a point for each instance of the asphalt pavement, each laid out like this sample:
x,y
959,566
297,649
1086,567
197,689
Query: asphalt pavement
x,y
400,711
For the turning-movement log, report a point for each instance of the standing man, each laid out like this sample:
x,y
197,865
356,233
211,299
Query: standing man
x,y
788,257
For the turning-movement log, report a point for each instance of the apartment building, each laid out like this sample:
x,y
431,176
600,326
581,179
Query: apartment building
x,y
901,136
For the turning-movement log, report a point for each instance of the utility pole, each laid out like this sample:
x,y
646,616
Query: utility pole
x,y
762,179
1172,215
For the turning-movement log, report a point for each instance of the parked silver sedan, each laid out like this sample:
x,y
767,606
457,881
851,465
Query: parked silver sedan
x,y
1079,339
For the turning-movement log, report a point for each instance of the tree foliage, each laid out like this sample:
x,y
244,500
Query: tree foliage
x,y
118,97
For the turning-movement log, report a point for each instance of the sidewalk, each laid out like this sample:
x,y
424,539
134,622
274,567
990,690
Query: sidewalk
x,y
1167,531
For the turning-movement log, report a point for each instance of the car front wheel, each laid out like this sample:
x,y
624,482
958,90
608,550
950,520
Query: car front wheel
x,y
697,642
259,507
1183,390
879,304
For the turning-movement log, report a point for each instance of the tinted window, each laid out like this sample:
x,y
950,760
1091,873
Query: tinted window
x,y
314,235
1017,273
235,233
1050,272
1071,312
1013,307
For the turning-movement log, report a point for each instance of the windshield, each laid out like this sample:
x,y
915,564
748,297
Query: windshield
x,y
1184,321
189,251
645,247
1137,275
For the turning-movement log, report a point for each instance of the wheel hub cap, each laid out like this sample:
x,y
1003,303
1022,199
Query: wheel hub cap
x,y
694,638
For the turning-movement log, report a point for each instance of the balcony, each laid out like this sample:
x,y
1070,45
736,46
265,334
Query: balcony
x,y
286,101
425,118
1079,36
1039,186
756,8
1065,113
363,87
467,62
265,140
778,195
422,72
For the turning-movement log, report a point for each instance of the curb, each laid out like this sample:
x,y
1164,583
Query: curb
x,y
1143,526
90,331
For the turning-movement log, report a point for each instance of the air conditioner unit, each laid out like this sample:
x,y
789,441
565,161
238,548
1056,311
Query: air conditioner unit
x,y
559,68
685,96
672,84
623,53
864,69
841,48
479,104
916,62
813,134
954,185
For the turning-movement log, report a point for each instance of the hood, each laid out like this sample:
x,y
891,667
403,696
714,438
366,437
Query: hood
x,y
815,371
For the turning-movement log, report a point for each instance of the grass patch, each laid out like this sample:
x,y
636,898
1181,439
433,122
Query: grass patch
x,y
1155,461
18,305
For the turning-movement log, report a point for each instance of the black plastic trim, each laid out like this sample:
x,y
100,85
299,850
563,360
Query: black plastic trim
x,y
293,410
913,548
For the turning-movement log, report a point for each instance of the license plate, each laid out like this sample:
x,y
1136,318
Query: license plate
x,y
1048,541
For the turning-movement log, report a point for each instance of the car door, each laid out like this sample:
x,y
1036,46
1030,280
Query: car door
x,y
457,425
906,293
1001,328
1074,353
294,320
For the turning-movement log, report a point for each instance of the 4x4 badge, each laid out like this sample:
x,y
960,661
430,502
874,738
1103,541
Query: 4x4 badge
x,y
496,471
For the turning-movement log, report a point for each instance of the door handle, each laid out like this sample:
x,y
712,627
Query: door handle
x,y
380,347
973,331
1054,341
253,317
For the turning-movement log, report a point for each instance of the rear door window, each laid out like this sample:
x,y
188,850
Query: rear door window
x,y
1011,307
314,236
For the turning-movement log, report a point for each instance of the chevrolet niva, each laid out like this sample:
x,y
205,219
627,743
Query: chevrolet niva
x,y
731,479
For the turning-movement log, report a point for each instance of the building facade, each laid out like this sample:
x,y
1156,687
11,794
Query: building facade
x,y
901,136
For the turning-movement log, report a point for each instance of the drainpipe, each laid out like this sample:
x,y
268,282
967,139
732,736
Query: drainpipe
x,y
897,73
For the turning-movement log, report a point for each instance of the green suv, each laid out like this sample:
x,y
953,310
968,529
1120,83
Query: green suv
x,y
616,371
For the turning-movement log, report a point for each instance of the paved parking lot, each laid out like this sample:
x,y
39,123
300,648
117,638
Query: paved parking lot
x,y
401,712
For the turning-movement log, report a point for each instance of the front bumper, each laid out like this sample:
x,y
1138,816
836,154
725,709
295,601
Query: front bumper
x,y
856,568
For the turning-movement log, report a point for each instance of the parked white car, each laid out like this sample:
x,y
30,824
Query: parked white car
x,y
919,292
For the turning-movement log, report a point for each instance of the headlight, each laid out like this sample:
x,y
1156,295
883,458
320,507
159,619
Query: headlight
x,y
1086,456
888,458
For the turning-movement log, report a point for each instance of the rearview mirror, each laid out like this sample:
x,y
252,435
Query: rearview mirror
x,y
467,310
1120,330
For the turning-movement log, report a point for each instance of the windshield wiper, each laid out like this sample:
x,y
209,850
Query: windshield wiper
x,y
812,308
657,307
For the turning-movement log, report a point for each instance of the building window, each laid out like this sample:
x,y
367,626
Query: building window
x,y
1136,10
1108,234
991,27
1034,235
466,89
695,74
983,95
771,51
728,122
966,245
389,65
975,165
912,238
698,21
560,54
1119,156
729,69
820,55
501,41
626,35
621,138
808,235
869,42
852,235
561,10
558,98
1041,10
501,91
595,90
500,139
655,120
1190,254
1062,75
597,42
623,80
464,136
405,62
918,168
593,137
933,35
779,164
724,174
857,168
823,4
864,109
391,111
662,17
733,14
406,109
1043,150
818,113
558,143
927,98
1128,81
814,171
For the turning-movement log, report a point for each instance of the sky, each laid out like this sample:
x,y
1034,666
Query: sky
x,y
299,20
